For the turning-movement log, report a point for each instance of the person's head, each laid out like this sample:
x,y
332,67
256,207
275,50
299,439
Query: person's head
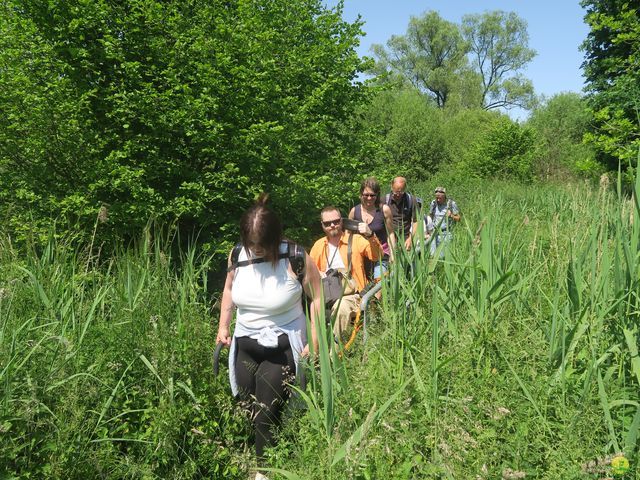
x,y
331,221
398,187
441,194
370,192
261,230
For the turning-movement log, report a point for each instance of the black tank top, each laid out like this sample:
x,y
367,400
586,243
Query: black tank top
x,y
377,225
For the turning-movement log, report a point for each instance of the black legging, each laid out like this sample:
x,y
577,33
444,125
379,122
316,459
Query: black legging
x,y
262,374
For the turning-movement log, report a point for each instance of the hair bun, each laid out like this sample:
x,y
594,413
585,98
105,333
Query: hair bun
x,y
262,199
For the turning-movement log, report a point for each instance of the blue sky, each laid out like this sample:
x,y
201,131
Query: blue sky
x,y
556,30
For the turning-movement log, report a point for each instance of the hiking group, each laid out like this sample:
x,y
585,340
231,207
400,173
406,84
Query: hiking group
x,y
267,276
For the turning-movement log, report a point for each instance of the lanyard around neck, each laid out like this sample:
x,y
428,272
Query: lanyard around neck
x,y
349,248
330,262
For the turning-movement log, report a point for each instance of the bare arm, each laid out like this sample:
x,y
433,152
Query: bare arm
x,y
391,233
414,231
373,251
226,312
352,213
313,288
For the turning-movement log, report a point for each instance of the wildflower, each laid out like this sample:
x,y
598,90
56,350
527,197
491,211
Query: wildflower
x,y
619,465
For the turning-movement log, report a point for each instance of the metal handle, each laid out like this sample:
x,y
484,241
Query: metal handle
x,y
216,358
364,302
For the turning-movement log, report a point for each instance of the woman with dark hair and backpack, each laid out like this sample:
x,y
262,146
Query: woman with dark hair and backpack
x,y
379,218
270,331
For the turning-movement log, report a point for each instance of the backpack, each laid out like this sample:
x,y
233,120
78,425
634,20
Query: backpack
x,y
295,253
409,204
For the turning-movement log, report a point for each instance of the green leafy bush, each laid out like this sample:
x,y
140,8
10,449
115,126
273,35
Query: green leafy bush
x,y
409,131
561,124
180,112
506,151
463,128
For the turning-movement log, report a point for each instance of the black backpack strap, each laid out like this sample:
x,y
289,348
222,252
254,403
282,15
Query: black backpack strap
x,y
349,250
295,253
357,212
235,254
409,201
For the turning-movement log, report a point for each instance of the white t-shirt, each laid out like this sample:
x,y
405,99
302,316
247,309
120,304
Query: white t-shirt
x,y
334,260
266,296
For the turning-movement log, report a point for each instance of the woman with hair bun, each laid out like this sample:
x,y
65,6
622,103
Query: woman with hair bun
x,y
270,332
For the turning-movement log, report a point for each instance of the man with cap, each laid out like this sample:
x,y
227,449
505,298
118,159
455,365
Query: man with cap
x,y
444,214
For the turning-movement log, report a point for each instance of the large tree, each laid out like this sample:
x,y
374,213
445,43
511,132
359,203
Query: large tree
x,y
612,70
173,109
429,56
477,63
499,49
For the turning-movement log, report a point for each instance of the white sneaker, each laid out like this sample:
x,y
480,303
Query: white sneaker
x,y
260,476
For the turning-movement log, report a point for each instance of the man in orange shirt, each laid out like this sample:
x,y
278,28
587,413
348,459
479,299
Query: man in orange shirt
x,y
332,252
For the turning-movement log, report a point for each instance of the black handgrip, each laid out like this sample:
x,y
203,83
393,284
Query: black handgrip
x,y
216,358
350,224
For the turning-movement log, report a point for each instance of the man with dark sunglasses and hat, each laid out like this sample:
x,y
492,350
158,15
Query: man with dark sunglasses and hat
x,y
346,252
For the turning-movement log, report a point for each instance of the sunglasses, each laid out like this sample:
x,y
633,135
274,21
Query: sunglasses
x,y
328,223
368,195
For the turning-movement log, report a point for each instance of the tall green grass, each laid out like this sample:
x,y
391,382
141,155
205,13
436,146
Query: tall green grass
x,y
105,366
519,347
516,352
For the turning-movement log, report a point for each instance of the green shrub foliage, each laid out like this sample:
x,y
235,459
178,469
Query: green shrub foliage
x,y
173,110
409,132
506,151
560,124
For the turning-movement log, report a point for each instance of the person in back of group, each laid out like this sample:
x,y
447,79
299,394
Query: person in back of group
x,y
270,330
403,207
380,220
332,252
444,213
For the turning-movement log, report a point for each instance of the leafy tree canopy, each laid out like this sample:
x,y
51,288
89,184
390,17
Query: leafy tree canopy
x,y
180,110
477,63
429,56
612,70
408,129
498,43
